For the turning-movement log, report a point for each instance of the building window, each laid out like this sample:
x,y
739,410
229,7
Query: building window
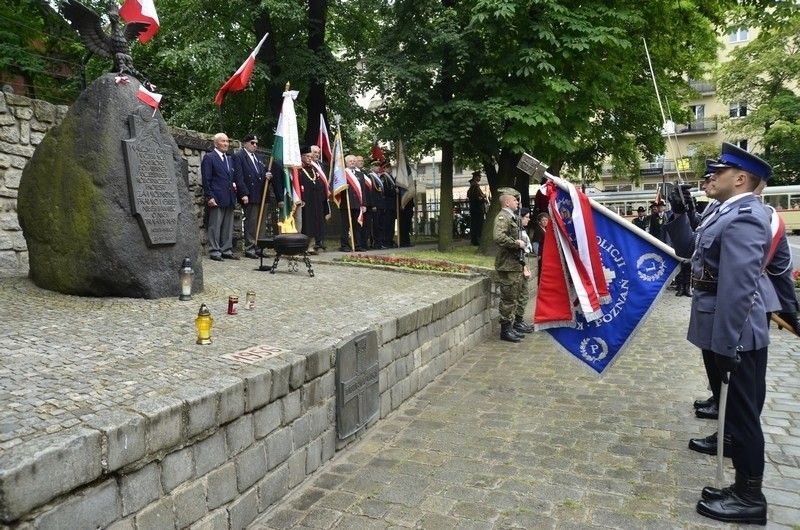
x,y
742,144
738,109
738,36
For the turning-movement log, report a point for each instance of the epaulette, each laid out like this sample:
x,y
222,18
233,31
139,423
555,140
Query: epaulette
x,y
745,209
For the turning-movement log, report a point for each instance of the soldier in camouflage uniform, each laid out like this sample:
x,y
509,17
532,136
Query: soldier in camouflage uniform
x,y
507,263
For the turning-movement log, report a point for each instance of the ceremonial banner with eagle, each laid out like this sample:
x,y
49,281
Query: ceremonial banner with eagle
x,y
600,278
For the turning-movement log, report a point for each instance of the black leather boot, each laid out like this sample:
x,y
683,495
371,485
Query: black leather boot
x,y
522,327
744,502
507,334
679,290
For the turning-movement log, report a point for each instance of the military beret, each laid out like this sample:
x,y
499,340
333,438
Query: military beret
x,y
640,209
249,138
508,191
304,149
734,156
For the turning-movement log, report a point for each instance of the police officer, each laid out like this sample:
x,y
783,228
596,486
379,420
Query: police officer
x,y
729,251
507,263
779,273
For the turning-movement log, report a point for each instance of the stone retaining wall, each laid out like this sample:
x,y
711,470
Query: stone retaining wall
x,y
216,456
23,124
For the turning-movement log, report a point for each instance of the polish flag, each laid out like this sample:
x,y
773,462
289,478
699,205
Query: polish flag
x,y
323,142
141,11
241,77
149,98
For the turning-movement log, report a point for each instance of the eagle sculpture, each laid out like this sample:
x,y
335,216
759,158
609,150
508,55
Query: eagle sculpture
x,y
113,46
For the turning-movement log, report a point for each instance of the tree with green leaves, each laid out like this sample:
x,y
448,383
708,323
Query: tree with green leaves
x,y
566,81
764,74
38,51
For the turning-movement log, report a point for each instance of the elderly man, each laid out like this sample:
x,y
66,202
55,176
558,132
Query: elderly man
x,y
220,191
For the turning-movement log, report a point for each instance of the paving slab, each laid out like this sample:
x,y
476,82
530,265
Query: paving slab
x,y
520,436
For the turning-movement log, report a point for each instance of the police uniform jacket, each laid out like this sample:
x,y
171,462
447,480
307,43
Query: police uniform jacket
x,y
779,271
505,236
728,251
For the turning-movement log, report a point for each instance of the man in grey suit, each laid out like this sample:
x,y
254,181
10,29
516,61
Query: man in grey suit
x,y
729,251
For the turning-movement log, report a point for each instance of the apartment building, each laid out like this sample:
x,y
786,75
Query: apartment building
x,y
708,114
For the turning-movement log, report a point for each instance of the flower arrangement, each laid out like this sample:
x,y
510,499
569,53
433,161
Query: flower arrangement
x,y
796,276
408,263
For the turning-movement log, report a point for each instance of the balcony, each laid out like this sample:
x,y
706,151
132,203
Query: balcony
x,y
704,87
705,126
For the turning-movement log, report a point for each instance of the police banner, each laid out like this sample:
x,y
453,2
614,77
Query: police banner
x,y
636,267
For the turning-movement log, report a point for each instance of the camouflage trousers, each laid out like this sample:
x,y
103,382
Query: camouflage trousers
x,y
509,283
524,296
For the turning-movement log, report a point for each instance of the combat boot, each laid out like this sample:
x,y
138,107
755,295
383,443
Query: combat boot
x,y
742,502
507,334
520,326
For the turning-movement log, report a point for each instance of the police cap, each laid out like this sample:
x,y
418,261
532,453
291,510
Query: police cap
x,y
736,157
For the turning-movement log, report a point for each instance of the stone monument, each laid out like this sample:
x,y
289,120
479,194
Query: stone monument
x,y
104,202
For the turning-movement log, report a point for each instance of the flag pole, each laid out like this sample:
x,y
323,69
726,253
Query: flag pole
x,y
536,169
350,221
396,222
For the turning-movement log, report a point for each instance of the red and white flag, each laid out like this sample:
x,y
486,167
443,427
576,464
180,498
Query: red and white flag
x,y
571,263
148,97
323,142
241,77
141,11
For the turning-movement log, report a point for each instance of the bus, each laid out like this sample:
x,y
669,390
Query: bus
x,y
785,200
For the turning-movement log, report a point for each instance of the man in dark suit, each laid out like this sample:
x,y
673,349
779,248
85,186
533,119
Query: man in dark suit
x,y
377,205
351,208
252,176
390,204
220,191
729,250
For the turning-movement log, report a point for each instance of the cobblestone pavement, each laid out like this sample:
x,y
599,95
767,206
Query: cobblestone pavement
x,y
65,358
518,436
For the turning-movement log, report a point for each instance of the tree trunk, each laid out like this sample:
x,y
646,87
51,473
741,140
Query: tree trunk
x,y
315,100
269,58
507,175
446,198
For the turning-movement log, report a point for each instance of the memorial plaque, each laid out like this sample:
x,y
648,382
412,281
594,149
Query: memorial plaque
x,y
151,180
357,391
